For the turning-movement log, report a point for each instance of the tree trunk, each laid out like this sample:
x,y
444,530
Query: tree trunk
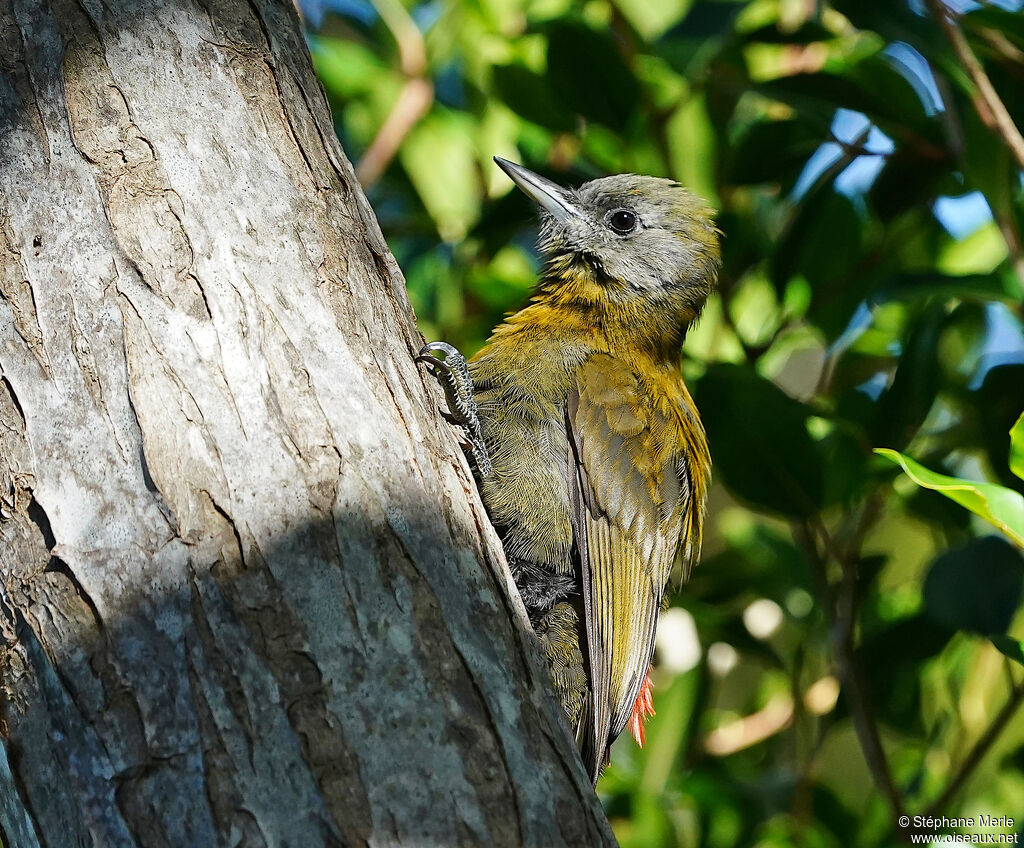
x,y
248,595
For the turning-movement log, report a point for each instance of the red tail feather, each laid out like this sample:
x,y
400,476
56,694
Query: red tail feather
x,y
643,708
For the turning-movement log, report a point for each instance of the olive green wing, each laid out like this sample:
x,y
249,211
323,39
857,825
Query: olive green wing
x,y
631,502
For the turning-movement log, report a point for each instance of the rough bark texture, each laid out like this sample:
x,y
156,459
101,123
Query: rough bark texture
x,y
248,595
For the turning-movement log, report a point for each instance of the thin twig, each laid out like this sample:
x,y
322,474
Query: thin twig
x,y
413,103
844,626
989,106
414,100
1012,56
858,150
957,143
978,752
860,709
822,180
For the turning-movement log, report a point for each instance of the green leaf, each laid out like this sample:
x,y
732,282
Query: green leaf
x,y
999,285
975,587
894,22
694,42
1017,447
774,151
903,405
530,95
652,19
759,441
693,148
896,674
346,68
998,505
844,457
824,244
996,405
894,101
871,86
979,253
818,95
909,180
807,33
989,168
589,75
447,184
1010,647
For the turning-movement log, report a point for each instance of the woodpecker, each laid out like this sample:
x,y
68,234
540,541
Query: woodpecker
x,y
591,457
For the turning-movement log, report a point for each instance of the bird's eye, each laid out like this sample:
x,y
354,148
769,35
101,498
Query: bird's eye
x,y
622,221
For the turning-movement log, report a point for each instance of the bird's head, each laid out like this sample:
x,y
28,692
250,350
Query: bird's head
x,y
640,240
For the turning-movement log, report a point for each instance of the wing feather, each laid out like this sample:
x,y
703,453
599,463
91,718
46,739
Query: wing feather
x,y
631,503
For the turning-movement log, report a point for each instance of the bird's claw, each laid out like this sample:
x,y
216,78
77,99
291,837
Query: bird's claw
x,y
453,374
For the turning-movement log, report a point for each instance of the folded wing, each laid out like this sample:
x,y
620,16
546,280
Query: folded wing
x,y
632,510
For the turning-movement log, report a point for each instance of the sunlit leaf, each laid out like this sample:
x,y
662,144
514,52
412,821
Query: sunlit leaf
x,y
1017,447
979,253
895,22
447,183
998,505
346,67
652,19
692,148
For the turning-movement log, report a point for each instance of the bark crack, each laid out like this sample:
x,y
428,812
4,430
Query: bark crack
x,y
230,522
498,736
232,685
14,758
16,290
483,765
14,398
59,566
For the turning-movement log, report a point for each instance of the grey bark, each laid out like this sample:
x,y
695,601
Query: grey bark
x,y
248,595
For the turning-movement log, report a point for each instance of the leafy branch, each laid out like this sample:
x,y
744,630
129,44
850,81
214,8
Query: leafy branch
x,y
842,602
978,752
987,103
843,607
1004,508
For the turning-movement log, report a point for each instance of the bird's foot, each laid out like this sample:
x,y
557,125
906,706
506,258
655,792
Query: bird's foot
x,y
453,374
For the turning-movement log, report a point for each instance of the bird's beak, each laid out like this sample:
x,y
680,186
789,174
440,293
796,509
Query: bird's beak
x,y
550,196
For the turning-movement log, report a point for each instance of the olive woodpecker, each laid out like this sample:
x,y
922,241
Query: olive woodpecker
x,y
592,459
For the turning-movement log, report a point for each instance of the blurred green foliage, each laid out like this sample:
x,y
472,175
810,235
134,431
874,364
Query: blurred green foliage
x,y
871,298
